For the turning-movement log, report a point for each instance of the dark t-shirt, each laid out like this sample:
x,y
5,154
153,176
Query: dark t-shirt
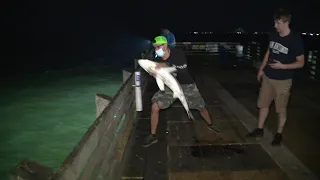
x,y
178,60
283,49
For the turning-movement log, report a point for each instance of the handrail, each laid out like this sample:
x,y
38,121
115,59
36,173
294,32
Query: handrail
x,y
207,48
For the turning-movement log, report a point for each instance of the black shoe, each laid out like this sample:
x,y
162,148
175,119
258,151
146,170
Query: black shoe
x,y
149,140
256,133
277,140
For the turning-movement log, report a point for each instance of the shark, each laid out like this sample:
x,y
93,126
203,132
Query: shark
x,y
164,77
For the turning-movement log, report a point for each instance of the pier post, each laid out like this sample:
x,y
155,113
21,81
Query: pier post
x,y
102,101
31,170
138,95
125,75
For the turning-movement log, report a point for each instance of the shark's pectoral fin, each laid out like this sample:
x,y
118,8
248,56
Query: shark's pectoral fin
x,y
160,84
190,115
170,69
175,95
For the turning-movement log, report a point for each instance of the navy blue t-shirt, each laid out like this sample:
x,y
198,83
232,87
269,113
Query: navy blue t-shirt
x,y
283,49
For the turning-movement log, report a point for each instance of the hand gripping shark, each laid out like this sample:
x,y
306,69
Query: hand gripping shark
x,y
163,77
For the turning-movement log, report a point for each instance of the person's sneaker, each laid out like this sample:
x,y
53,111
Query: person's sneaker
x,y
255,133
149,140
213,128
277,139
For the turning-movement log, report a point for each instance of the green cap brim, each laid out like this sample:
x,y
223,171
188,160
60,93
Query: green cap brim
x,y
159,40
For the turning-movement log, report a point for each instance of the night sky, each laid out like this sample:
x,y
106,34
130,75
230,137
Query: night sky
x,y
38,33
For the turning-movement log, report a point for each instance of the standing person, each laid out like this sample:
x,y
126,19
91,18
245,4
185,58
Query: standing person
x,y
285,53
169,36
162,100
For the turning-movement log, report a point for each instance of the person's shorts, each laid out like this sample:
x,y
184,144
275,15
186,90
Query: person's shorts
x,y
277,90
165,98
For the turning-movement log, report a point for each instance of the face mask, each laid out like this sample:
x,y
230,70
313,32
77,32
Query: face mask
x,y
160,52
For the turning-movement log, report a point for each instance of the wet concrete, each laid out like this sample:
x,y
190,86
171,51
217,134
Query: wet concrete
x,y
222,150
227,156
219,158
301,131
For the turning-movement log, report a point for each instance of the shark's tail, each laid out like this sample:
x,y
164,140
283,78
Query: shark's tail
x,y
190,115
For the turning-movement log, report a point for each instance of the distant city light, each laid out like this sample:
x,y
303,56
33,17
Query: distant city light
x,y
243,33
196,32
310,34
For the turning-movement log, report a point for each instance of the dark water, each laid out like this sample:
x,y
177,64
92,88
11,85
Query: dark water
x,y
44,116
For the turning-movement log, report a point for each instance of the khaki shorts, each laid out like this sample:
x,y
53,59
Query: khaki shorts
x,y
194,99
277,90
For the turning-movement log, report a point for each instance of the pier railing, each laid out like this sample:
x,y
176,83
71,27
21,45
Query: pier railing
x,y
99,154
208,48
252,53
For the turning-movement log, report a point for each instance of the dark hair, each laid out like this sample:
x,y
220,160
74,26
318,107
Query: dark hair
x,y
282,14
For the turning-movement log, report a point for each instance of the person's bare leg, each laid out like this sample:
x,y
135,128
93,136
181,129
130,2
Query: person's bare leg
x,y
206,116
152,139
266,96
258,132
154,118
263,114
282,121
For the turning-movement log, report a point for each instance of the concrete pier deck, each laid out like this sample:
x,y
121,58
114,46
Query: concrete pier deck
x,y
230,96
